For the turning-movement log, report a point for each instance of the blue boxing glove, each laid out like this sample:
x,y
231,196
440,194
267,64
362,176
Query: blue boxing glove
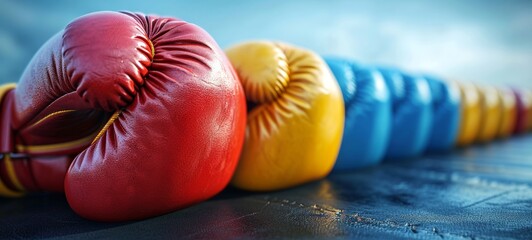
x,y
446,114
368,114
412,114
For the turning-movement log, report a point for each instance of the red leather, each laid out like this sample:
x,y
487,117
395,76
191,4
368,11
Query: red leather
x,y
522,112
38,173
180,116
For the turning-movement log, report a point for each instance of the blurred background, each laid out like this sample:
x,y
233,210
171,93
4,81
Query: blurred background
x,y
475,40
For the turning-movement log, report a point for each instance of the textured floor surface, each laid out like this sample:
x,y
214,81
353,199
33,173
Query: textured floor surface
x,y
481,192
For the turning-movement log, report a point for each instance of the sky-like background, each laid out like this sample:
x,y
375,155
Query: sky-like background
x,y
474,40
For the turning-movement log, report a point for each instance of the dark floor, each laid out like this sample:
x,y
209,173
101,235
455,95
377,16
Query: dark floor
x,y
480,192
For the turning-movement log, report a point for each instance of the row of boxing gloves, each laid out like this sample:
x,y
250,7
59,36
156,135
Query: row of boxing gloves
x,y
133,116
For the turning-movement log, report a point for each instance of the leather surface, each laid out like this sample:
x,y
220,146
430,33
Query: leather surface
x,y
482,192
368,110
470,114
509,112
491,106
523,116
150,107
411,114
446,114
529,109
295,116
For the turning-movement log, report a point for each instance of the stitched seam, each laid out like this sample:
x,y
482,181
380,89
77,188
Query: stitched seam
x,y
107,125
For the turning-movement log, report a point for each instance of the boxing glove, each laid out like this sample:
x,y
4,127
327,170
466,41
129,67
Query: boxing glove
x,y
491,108
9,184
411,114
523,104
367,114
150,108
509,112
295,115
470,114
529,109
446,114
48,165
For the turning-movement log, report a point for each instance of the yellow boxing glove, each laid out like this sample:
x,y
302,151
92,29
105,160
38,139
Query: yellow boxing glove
x,y
295,116
471,111
491,113
509,112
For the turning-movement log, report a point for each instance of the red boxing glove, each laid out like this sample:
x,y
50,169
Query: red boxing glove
x,y
524,111
148,109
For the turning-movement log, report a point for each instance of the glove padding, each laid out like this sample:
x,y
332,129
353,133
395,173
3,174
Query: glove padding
x,y
150,107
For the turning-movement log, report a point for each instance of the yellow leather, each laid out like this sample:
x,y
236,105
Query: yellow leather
x,y
471,113
491,113
509,112
295,124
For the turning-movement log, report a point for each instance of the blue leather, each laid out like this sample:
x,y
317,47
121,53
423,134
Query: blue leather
x,y
412,114
446,114
368,114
